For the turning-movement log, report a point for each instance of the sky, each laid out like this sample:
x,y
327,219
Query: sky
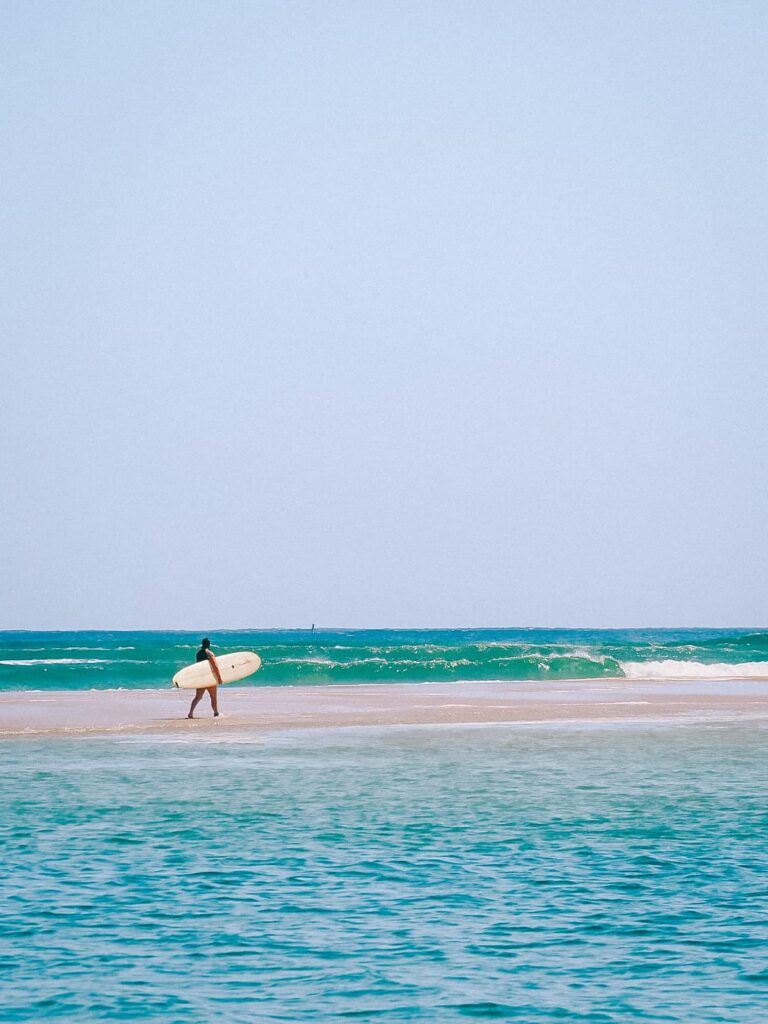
x,y
383,313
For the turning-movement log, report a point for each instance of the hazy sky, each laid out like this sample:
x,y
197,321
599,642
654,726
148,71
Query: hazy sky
x,y
383,313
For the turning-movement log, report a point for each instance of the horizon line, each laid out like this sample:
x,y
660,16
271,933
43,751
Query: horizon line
x,y
358,629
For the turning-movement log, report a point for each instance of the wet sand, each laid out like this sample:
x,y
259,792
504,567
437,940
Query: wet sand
x,y
34,713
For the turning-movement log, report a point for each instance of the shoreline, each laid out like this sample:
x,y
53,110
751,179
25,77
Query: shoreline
x,y
38,713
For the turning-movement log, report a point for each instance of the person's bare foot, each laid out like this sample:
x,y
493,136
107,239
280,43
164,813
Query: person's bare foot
x,y
190,715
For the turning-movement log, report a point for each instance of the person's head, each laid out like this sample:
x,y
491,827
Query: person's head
x,y
206,643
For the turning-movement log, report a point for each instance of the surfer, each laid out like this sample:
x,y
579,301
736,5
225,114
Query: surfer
x,y
206,654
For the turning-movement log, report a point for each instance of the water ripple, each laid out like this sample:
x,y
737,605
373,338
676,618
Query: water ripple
x,y
444,876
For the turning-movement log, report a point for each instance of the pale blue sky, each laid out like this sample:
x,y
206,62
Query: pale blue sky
x,y
379,314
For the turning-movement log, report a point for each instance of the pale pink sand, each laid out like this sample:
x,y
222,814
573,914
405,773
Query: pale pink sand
x,y
33,712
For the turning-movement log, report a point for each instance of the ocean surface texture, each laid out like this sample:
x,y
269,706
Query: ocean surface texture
x,y
102,660
602,875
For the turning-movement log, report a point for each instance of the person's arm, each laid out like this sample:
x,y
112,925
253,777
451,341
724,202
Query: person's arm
x,y
214,667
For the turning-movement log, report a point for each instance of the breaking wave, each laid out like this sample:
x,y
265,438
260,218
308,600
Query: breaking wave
x,y
694,670
326,657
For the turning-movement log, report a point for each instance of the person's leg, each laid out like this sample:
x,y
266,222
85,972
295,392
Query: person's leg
x,y
195,701
214,692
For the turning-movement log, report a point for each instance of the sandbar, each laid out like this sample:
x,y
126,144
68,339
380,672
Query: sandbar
x,y
37,713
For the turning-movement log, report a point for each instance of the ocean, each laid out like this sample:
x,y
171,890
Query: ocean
x,y
594,872
136,660
601,875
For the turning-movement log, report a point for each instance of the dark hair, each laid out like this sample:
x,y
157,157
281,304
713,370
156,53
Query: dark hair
x,y
206,642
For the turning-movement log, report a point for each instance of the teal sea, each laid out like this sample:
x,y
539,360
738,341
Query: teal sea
x,y
601,875
579,873
110,660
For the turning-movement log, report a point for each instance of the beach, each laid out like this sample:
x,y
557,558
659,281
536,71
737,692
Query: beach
x,y
401,826
269,708
397,369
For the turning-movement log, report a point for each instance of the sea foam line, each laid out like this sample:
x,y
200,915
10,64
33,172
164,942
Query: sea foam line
x,y
72,661
670,669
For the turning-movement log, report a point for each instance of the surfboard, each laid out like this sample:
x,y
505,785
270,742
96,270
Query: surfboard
x,y
231,666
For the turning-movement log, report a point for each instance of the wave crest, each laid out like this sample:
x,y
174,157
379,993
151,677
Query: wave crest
x,y
670,669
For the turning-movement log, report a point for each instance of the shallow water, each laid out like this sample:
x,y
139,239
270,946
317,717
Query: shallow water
x,y
594,875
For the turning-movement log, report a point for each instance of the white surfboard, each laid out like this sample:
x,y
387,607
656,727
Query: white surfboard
x,y
231,666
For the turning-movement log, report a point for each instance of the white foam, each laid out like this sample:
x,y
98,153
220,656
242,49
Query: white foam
x,y
85,648
56,661
78,648
670,669
73,661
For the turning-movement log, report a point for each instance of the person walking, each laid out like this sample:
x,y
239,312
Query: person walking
x,y
206,654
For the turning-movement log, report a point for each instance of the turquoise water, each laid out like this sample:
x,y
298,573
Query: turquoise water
x,y
571,874
105,660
